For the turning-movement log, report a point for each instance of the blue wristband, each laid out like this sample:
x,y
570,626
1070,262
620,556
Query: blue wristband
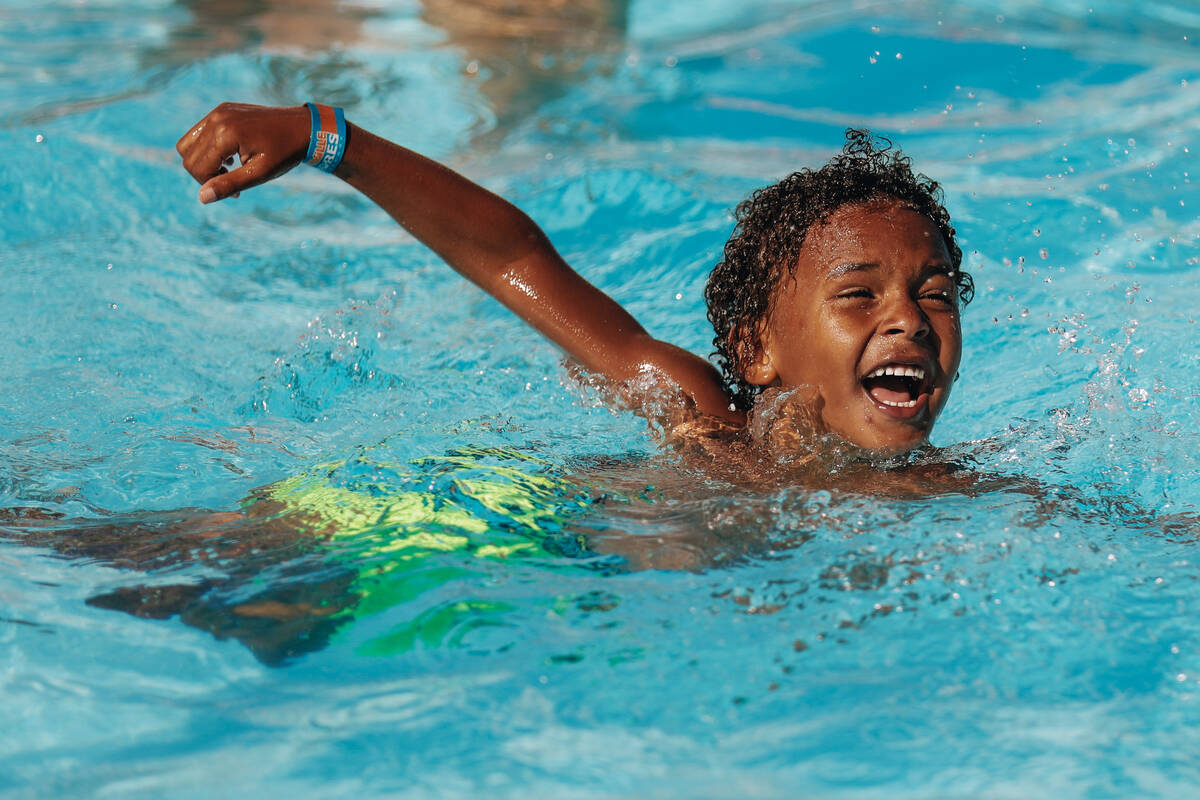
x,y
327,143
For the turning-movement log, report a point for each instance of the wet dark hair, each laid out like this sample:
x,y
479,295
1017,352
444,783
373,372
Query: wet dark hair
x,y
771,226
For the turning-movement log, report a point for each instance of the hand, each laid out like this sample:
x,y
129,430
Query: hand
x,y
269,141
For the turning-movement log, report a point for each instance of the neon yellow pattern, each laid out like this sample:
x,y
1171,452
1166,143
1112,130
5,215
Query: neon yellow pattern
x,y
484,506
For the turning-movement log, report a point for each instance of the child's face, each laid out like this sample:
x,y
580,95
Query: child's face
x,y
873,293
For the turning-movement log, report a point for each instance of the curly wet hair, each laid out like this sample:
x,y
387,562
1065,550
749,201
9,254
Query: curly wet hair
x,y
771,227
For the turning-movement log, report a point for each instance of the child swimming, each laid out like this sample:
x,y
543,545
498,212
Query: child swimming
x,y
841,286
836,319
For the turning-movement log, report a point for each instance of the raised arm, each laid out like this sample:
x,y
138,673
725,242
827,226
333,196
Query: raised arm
x,y
479,234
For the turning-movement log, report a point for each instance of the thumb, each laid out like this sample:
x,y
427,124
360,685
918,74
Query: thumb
x,y
218,188
231,184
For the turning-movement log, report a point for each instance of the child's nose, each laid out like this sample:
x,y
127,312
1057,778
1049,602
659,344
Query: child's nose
x,y
906,318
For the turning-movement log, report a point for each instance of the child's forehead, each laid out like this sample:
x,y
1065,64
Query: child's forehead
x,y
873,216
870,230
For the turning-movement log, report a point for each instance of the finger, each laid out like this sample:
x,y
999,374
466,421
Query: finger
x,y
232,183
188,140
225,169
206,159
195,134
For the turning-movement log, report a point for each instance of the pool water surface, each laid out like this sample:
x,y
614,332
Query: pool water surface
x,y
554,606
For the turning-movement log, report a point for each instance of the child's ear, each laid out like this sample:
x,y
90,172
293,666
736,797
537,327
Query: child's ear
x,y
759,369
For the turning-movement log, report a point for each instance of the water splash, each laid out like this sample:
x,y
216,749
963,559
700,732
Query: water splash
x,y
334,360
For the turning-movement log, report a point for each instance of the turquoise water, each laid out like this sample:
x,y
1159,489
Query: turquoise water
x,y
164,360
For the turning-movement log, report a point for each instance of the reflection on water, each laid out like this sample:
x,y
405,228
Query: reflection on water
x,y
239,26
520,54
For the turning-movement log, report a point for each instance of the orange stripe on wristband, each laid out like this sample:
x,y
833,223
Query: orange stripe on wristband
x,y
328,139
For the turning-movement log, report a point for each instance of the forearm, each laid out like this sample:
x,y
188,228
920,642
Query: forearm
x,y
473,230
496,245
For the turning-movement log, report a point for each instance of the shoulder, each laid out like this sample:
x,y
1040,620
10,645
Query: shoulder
x,y
695,378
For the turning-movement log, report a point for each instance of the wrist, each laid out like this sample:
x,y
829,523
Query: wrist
x,y
327,136
299,130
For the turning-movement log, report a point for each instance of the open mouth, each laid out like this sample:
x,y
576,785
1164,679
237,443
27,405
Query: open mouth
x,y
900,389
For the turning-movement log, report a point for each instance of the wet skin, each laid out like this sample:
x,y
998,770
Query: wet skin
x,y
873,288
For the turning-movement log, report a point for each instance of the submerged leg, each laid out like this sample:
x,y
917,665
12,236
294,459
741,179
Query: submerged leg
x,y
294,615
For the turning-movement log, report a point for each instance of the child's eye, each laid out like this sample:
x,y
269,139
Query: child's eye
x,y
939,296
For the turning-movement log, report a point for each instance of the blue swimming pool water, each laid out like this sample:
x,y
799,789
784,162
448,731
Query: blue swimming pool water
x,y
1032,639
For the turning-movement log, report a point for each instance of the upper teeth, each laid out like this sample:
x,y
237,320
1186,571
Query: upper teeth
x,y
898,369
